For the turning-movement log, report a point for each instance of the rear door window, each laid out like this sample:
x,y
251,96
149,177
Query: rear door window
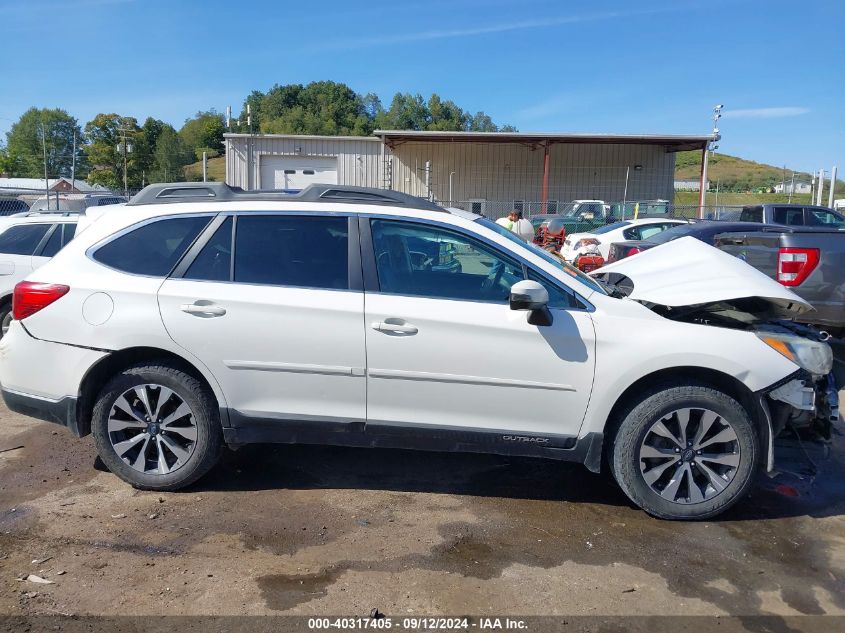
x,y
58,239
292,250
54,243
214,261
22,239
791,216
152,249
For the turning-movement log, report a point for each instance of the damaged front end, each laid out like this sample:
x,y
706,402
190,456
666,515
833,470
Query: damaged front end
x,y
718,290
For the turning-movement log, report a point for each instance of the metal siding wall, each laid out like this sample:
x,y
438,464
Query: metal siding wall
x,y
357,160
510,171
492,171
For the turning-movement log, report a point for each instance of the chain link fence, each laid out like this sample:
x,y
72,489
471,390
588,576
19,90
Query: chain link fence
x,y
596,212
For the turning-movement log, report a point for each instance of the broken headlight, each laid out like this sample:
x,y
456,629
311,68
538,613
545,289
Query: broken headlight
x,y
815,357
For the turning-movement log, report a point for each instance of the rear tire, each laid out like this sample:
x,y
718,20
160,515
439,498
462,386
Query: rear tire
x,y
5,317
157,427
685,452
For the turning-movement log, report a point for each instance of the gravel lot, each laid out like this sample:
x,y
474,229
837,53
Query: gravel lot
x,y
320,530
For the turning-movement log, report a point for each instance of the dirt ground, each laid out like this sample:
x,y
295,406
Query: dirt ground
x,y
321,530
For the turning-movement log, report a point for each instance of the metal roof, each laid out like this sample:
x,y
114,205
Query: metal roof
x,y
673,142
303,137
37,184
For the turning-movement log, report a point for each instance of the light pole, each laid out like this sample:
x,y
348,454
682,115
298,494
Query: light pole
x,y
717,114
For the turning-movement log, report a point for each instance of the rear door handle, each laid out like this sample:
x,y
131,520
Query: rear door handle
x,y
203,309
394,328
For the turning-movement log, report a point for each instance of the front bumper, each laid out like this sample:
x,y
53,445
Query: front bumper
x,y
62,411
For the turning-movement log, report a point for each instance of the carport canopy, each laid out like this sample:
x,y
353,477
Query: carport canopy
x,y
670,142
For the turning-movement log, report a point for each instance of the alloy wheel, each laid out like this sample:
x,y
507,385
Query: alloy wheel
x,y
152,429
690,455
6,323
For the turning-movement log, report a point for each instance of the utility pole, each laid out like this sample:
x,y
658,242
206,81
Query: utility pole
x,y
205,166
717,114
73,164
125,177
832,187
820,190
792,186
44,151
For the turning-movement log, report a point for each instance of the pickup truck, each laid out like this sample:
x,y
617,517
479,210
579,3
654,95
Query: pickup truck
x,y
810,260
791,215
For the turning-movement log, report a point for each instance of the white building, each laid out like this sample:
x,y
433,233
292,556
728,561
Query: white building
x,y
797,187
689,184
491,172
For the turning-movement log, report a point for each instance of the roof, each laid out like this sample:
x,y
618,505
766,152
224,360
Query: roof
x,y
672,142
37,184
304,137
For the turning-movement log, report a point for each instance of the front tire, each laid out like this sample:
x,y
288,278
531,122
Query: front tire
x,y
685,452
157,427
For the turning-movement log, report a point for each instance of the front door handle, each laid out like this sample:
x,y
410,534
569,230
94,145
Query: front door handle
x,y
389,327
203,309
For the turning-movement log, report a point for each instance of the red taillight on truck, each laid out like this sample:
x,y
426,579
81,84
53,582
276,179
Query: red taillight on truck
x,y
30,296
796,264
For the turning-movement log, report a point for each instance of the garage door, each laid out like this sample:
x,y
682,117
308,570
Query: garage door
x,y
296,172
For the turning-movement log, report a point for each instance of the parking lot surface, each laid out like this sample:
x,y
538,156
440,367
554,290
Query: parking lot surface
x,y
322,530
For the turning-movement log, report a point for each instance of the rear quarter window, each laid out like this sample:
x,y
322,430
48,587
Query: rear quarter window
x,y
152,249
751,214
22,239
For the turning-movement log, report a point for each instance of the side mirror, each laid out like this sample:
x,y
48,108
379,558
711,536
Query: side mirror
x,y
529,295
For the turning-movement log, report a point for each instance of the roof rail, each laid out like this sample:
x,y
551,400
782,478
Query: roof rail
x,y
163,193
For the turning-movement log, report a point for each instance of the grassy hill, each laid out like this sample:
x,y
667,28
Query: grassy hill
x,y
737,174
216,169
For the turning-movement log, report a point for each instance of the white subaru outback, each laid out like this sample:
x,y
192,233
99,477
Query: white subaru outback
x,y
199,315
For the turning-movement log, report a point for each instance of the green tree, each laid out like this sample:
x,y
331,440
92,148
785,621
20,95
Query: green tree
x,y
145,146
105,150
204,132
24,149
171,155
481,122
445,115
406,112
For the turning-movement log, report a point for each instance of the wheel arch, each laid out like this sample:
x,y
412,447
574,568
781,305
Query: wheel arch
x,y
99,373
671,376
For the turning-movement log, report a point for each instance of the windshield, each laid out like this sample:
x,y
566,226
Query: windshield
x,y
591,283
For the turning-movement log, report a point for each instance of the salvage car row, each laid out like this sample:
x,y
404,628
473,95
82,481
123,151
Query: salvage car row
x,y
200,316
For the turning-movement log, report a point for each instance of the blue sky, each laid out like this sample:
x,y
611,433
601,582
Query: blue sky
x,y
651,66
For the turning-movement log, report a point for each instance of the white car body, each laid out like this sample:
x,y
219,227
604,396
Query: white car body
x,y
579,243
15,266
286,363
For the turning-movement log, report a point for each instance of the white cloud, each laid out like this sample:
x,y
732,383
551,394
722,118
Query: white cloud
x,y
441,34
765,113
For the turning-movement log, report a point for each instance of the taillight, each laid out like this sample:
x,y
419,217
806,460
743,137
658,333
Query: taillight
x,y
632,251
30,296
796,264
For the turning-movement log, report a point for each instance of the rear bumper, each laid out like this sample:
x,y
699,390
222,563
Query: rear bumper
x,y
62,411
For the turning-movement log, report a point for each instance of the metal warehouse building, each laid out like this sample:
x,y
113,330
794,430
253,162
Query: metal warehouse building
x,y
487,172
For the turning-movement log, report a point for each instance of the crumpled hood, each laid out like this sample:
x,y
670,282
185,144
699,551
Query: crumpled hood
x,y
688,272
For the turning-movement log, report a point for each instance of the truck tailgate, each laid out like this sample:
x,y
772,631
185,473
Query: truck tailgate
x,y
758,250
